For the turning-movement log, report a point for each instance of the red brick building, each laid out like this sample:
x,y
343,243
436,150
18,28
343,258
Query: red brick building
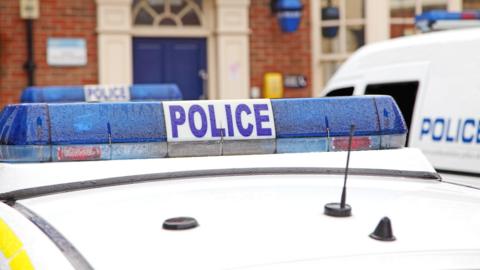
x,y
59,18
270,49
235,42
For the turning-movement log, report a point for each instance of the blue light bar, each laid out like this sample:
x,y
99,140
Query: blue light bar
x,y
436,15
137,92
427,20
101,131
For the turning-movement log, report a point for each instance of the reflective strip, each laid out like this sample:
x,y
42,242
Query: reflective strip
x,y
21,262
12,249
9,243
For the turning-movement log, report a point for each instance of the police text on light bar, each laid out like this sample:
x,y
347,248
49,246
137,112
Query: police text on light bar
x,y
102,131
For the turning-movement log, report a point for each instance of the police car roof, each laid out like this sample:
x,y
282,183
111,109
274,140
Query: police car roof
x,y
254,211
272,221
81,131
18,176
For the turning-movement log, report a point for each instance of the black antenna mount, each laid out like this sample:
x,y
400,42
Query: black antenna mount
x,y
342,209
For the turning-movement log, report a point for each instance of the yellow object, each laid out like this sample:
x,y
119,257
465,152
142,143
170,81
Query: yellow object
x,y
12,249
272,85
21,262
9,243
29,9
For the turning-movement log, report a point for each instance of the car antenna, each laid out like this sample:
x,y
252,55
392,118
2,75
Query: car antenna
x,y
221,141
342,209
328,134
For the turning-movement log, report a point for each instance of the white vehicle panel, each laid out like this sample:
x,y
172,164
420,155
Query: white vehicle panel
x,y
425,260
29,175
260,220
40,250
445,123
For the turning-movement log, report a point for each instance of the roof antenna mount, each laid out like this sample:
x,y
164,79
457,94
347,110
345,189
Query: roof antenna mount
x,y
342,209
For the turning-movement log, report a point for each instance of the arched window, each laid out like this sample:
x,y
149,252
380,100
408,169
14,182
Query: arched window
x,y
174,13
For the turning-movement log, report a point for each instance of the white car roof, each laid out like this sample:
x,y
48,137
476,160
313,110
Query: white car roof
x,y
260,221
17,176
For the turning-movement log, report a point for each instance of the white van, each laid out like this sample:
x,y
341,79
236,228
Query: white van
x,y
435,79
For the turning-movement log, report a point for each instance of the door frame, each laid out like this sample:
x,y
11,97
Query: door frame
x,y
226,29
206,32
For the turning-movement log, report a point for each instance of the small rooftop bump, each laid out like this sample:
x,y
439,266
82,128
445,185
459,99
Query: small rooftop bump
x,y
383,231
180,223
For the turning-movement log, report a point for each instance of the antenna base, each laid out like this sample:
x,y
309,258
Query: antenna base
x,y
336,210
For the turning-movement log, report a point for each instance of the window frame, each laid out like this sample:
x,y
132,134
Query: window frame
x,y
451,5
343,24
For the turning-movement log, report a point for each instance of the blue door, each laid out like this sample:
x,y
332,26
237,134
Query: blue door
x,y
171,60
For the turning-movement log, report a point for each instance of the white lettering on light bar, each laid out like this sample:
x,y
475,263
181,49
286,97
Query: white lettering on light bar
x,y
211,120
98,93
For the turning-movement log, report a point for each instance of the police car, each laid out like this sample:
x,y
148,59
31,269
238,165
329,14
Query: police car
x,y
243,184
100,93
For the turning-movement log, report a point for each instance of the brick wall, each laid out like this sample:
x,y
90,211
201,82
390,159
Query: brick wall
x,y
58,18
274,51
471,4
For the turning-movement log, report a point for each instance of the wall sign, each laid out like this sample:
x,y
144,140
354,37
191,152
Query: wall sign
x,y
29,9
295,81
66,52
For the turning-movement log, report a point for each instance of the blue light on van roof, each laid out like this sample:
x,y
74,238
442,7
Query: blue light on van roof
x,y
427,20
101,131
436,15
136,92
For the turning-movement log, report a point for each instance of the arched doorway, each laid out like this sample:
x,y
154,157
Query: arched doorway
x,y
216,29
179,57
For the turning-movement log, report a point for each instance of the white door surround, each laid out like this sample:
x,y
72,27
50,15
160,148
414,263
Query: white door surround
x,y
226,28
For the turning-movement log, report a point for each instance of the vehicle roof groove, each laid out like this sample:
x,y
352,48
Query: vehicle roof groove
x,y
27,193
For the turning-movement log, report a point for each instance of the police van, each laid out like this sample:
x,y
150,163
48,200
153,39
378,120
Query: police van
x,y
435,80
231,184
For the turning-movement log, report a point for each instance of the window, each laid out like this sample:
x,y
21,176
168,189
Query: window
x,y
342,28
402,14
341,92
404,93
167,13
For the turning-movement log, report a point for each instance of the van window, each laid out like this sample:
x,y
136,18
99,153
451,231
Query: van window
x,y
404,94
341,92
